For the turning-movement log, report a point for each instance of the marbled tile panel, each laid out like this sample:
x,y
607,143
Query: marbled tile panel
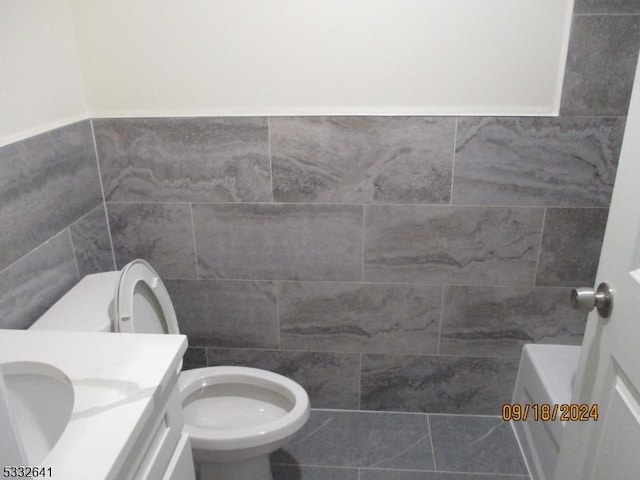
x,y
360,439
536,161
498,321
35,282
91,243
357,317
607,6
295,472
601,63
362,159
475,444
332,380
194,357
279,242
159,233
412,383
571,244
184,159
226,313
451,245
366,474
47,182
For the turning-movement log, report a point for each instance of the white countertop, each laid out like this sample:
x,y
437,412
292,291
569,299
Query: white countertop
x,y
117,381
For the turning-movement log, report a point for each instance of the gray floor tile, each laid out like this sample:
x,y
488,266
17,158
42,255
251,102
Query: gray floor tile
x,y
226,313
203,159
498,321
332,380
362,159
471,385
356,317
290,472
360,439
409,475
464,443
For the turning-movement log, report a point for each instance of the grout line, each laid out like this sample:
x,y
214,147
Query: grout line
x,y
113,250
606,14
270,157
342,352
328,467
400,412
73,252
441,316
84,215
550,116
101,204
521,449
360,381
475,475
324,204
33,250
433,451
362,240
206,356
535,272
278,317
358,282
104,198
453,160
195,246
488,475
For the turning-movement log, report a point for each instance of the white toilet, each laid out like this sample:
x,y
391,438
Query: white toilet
x,y
235,416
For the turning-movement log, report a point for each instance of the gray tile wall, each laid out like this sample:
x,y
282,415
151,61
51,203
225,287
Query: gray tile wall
x,y
396,264
392,263
54,224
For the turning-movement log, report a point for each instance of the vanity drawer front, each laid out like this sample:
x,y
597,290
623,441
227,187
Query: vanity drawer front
x,y
181,465
164,441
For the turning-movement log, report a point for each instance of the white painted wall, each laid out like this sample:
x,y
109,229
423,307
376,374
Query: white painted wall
x,y
40,77
277,57
259,57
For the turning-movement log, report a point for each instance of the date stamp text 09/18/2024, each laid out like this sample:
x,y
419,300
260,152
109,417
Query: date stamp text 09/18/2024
x,y
545,412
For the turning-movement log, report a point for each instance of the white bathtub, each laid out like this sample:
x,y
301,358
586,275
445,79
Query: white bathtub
x,y
545,376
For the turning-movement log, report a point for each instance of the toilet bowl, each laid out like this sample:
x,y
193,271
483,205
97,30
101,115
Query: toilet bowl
x,y
545,377
235,416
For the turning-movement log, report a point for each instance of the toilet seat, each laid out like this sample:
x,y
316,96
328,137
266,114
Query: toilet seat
x,y
142,302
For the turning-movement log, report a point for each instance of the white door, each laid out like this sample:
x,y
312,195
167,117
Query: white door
x,y
609,372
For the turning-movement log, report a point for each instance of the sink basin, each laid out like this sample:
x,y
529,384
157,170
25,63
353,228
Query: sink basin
x,y
40,399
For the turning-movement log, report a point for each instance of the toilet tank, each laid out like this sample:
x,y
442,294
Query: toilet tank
x,y
87,307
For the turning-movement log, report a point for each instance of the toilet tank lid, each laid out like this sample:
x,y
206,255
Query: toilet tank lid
x,y
86,307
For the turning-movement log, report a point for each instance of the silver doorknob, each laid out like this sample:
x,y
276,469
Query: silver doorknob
x,y
588,299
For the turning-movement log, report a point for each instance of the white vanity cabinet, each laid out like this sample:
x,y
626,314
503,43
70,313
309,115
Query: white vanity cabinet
x,y
163,450
124,419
